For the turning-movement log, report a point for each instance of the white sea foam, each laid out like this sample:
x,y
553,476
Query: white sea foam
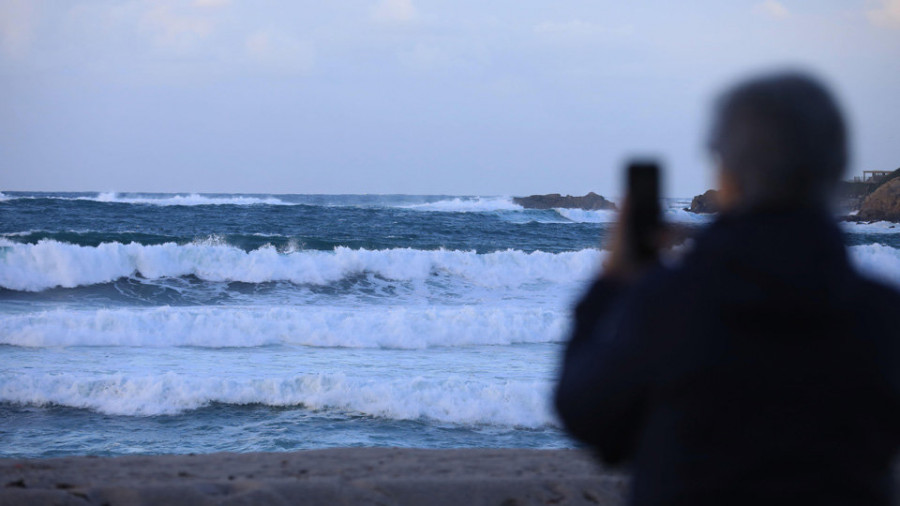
x,y
878,262
877,227
584,216
468,205
673,214
193,199
49,263
367,327
24,233
677,214
451,399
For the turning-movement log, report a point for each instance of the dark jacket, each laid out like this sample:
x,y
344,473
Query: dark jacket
x,y
761,370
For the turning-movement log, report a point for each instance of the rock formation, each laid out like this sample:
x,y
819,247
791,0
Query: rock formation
x,y
875,199
590,202
883,204
705,204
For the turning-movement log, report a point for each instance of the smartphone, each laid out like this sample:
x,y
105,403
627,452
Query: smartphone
x,y
644,220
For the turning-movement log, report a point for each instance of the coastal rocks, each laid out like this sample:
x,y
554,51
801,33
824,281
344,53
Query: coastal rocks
x,y
705,204
883,204
851,194
589,202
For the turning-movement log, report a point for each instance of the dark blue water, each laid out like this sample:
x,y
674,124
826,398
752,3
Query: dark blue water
x,y
158,323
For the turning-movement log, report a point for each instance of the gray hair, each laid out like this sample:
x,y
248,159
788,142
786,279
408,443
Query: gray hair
x,y
784,139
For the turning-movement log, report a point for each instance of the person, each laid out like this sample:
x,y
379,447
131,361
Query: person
x,y
762,368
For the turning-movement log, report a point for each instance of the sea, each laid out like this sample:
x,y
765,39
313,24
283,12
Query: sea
x,y
135,323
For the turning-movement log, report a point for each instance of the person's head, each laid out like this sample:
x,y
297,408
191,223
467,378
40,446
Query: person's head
x,y
780,141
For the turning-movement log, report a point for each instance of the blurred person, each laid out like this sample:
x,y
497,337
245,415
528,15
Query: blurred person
x,y
762,368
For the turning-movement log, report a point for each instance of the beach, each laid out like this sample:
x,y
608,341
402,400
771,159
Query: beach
x,y
333,476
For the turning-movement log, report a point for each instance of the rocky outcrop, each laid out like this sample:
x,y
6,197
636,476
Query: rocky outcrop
x,y
851,194
590,202
706,203
883,204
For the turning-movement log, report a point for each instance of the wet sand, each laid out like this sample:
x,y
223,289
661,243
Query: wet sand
x,y
335,476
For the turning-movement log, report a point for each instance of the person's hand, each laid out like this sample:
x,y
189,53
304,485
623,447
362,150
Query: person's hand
x,y
618,264
622,264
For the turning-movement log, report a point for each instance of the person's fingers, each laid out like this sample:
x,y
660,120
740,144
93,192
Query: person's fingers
x,y
617,262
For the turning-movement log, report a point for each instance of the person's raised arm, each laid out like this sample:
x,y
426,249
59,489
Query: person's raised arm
x,y
604,380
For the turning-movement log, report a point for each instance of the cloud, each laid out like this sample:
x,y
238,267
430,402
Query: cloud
x,y
279,52
580,31
887,15
574,27
211,3
17,19
401,11
423,57
173,29
258,44
429,58
773,9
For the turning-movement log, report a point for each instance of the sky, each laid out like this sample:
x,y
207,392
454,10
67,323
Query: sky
x,y
505,97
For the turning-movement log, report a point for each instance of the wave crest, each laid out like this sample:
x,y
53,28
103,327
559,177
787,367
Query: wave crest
x,y
217,327
468,205
585,216
193,199
449,400
875,227
878,261
48,264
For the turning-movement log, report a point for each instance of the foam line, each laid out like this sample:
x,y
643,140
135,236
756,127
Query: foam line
x,y
192,199
215,327
468,205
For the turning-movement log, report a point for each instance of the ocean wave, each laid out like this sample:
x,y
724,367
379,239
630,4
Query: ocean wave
x,y
468,205
876,227
190,199
672,214
218,327
48,264
454,400
878,261
538,217
585,216
193,199
677,214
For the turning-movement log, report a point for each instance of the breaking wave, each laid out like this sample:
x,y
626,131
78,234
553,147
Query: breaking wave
x,y
48,264
453,399
672,214
468,205
397,327
166,199
876,227
193,199
583,216
878,261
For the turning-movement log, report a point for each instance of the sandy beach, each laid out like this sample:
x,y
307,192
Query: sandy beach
x,y
334,476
